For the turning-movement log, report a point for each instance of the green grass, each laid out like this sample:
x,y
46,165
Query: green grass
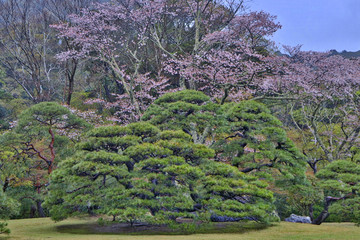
x,y
87,230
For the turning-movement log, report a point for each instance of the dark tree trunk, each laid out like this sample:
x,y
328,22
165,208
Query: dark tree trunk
x,y
108,94
226,94
119,85
70,91
6,184
325,213
194,196
313,164
32,211
311,212
130,166
52,152
40,209
321,218
71,77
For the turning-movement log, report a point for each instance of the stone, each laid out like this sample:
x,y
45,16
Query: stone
x,y
216,218
298,219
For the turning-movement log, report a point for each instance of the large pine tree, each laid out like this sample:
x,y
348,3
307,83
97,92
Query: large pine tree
x,y
139,173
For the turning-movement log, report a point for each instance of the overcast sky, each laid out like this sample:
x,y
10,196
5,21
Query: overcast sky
x,y
319,25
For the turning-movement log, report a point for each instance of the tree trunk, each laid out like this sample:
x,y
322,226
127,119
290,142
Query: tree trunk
x,y
40,209
182,83
70,90
71,71
108,95
313,164
127,86
32,211
311,212
6,184
325,213
52,151
321,218
226,94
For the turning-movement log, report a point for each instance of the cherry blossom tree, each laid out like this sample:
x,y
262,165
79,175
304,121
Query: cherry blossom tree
x,y
146,90
135,39
325,101
321,96
230,63
28,46
313,75
60,12
114,34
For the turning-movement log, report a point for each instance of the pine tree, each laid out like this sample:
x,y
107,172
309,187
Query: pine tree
x,y
191,111
341,180
139,173
257,144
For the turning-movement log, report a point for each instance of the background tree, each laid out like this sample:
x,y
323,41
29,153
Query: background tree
x,y
326,110
13,168
160,31
196,19
41,131
108,28
8,208
321,109
28,46
230,62
61,12
42,122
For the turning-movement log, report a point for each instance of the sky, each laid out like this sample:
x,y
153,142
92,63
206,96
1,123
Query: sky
x,y
319,25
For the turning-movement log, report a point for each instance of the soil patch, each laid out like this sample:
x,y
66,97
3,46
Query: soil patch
x,y
146,229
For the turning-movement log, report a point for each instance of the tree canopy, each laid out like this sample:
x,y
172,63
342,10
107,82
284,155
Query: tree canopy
x,y
139,173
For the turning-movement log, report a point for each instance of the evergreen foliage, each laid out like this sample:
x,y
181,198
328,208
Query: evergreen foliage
x,y
138,173
33,149
341,179
38,119
8,208
256,143
189,110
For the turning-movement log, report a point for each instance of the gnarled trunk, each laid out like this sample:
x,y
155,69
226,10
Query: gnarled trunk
x,y
325,213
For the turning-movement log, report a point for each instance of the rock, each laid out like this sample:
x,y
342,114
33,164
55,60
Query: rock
x,y
298,219
216,218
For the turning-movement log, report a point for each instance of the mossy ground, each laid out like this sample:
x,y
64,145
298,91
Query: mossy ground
x,y
88,229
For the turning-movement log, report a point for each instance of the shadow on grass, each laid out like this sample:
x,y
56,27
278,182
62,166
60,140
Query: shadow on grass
x,y
144,229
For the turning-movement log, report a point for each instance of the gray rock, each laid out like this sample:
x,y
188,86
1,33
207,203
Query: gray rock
x,y
216,218
298,219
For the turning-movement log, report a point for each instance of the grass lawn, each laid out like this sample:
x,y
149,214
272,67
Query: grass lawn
x,y
76,229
